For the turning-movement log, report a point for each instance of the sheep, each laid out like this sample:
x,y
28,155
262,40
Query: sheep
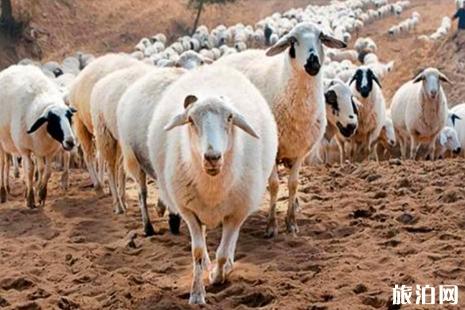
x,y
191,59
225,151
79,98
30,100
341,112
134,112
292,84
367,88
457,121
337,55
387,139
447,141
103,106
419,111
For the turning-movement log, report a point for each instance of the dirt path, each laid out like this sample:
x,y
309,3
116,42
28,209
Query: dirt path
x,y
364,228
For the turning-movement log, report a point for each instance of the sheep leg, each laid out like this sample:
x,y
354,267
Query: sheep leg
x,y
65,175
199,246
40,166
88,149
29,173
342,152
119,208
272,226
414,147
3,190
142,182
432,149
16,166
121,179
44,181
293,183
6,172
225,253
134,170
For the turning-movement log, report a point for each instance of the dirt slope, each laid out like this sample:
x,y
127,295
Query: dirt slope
x,y
62,27
364,228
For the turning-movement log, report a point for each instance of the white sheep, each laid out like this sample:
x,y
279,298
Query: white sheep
x,y
30,100
419,111
134,113
213,152
457,121
367,88
289,77
103,105
387,139
79,98
447,142
342,114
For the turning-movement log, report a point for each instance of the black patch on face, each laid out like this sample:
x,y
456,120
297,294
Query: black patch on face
x,y
331,100
54,127
292,51
364,90
354,106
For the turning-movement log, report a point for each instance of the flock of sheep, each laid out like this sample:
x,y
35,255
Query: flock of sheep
x,y
210,119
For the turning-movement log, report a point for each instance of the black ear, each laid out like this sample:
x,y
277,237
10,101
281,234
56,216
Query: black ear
x,y
42,120
331,100
354,78
354,106
454,117
375,78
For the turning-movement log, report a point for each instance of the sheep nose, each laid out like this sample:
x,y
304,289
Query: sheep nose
x,y
434,94
69,144
313,65
458,151
352,116
212,158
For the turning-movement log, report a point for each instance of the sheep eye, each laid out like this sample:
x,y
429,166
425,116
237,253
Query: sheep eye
x,y
201,62
230,117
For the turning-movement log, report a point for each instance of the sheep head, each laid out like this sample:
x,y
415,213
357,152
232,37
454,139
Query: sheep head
x,y
305,42
211,121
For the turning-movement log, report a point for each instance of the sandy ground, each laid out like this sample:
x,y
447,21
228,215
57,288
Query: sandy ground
x,y
364,227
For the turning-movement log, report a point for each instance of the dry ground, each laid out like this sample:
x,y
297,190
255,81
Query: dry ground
x,y
364,227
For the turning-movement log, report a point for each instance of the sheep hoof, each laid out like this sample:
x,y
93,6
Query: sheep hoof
x,y
197,299
292,227
3,194
148,230
30,200
220,271
42,195
271,229
174,222
64,182
119,210
99,191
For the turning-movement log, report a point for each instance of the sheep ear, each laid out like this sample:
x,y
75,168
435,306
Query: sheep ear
x,y
332,42
375,78
178,120
454,117
442,139
419,78
239,121
444,78
189,100
354,78
281,45
39,122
